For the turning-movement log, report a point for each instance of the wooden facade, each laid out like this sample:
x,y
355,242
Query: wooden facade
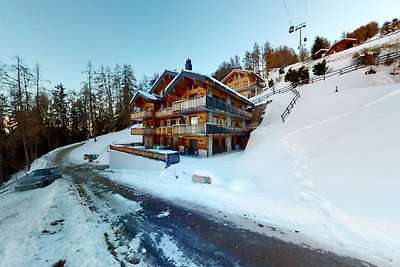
x,y
193,114
341,45
246,82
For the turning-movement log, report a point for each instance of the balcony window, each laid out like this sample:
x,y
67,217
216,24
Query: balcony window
x,y
194,120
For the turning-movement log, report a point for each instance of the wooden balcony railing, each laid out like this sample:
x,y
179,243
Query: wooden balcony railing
x,y
142,131
209,103
183,129
188,104
141,115
168,112
164,130
209,128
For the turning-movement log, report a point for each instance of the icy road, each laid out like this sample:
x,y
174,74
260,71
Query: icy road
x,y
87,220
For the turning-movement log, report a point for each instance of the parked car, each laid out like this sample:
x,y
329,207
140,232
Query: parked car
x,y
38,178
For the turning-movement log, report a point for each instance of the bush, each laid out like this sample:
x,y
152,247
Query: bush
x,y
320,68
281,70
291,76
296,76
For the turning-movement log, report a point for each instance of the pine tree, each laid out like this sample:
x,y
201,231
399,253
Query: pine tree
x,y
319,43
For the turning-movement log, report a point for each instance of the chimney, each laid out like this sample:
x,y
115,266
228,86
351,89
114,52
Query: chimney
x,y
188,65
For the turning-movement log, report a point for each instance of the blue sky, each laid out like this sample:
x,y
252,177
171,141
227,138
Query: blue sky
x,y
62,36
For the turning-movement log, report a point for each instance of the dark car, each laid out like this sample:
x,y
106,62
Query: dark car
x,y
38,178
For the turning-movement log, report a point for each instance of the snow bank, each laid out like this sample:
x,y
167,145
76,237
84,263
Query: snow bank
x,y
39,227
101,146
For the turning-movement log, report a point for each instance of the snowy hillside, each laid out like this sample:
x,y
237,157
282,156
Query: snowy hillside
x,y
329,171
101,146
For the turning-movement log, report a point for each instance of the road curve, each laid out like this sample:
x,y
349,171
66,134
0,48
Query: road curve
x,y
199,239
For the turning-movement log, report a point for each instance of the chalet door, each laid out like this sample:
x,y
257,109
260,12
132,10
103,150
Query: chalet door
x,y
172,144
223,144
215,146
193,146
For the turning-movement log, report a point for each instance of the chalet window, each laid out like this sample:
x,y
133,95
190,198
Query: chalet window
x,y
237,76
192,95
215,120
194,120
172,122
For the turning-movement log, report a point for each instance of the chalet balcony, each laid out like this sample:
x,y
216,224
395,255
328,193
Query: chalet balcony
x,y
209,128
164,130
183,129
209,103
228,130
164,113
139,115
189,104
142,131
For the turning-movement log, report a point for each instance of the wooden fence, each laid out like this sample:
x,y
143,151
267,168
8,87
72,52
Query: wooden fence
x,y
379,60
291,105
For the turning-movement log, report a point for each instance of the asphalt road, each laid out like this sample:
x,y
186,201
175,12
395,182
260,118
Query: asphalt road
x,y
201,238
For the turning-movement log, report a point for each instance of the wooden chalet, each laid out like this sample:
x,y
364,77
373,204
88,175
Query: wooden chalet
x,y
245,82
192,113
343,44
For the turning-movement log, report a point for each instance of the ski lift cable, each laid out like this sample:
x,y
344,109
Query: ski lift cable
x,y
305,20
287,11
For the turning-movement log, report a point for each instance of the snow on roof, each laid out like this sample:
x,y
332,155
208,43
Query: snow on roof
x,y
248,71
158,81
145,95
202,77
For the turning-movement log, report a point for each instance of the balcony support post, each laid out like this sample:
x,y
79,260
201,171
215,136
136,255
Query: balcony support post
x,y
229,143
209,145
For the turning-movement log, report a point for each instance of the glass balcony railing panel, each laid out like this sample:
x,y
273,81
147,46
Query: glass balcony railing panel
x,y
225,129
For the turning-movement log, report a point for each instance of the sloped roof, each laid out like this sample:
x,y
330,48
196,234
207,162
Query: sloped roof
x,y
346,39
145,95
240,70
203,78
158,81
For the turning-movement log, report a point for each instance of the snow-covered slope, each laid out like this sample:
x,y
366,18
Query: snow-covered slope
x,y
40,227
101,146
329,171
